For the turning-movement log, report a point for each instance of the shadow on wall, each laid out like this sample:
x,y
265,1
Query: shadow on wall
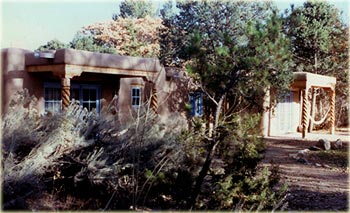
x,y
14,76
179,90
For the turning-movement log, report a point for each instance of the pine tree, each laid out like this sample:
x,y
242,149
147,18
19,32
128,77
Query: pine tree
x,y
313,29
235,50
320,45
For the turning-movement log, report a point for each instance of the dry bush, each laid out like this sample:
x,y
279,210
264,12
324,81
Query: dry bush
x,y
83,154
32,143
80,160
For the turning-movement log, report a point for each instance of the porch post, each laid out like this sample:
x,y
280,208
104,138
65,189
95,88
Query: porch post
x,y
305,113
312,109
332,111
265,121
154,98
65,82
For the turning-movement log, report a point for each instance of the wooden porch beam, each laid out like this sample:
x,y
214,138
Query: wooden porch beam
x,y
76,70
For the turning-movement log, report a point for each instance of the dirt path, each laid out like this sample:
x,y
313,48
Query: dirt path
x,y
311,187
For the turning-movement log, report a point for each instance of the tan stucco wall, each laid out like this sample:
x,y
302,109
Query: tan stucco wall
x,y
124,96
172,95
15,78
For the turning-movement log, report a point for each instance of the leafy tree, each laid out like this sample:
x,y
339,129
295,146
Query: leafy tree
x,y
83,41
212,39
312,29
268,55
135,9
134,37
54,44
209,18
80,41
167,10
320,44
235,50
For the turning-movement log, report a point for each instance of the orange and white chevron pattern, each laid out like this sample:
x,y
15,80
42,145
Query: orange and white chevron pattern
x,y
65,97
332,111
154,99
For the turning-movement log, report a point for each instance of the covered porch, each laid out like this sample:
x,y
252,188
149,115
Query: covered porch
x,y
306,83
69,64
291,114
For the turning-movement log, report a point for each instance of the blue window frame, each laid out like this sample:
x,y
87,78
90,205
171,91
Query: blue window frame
x,y
136,96
88,96
196,101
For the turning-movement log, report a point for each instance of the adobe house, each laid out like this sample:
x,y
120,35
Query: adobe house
x,y
292,113
55,78
59,76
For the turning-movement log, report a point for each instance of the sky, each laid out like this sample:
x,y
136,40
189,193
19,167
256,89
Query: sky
x,y
29,24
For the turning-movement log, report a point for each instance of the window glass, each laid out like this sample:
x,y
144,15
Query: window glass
x,y
93,93
87,95
90,98
93,105
74,94
196,101
86,105
52,97
136,96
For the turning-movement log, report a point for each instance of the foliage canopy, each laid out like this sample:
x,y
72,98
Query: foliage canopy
x,y
135,9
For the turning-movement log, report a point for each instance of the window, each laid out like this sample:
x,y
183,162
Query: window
x,y
52,97
135,96
196,101
87,95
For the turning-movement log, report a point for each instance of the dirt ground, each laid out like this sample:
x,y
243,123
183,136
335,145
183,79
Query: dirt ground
x,y
313,185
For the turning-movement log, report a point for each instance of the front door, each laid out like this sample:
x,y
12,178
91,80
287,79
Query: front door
x,y
285,113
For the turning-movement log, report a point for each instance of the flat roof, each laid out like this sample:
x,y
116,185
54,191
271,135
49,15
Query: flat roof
x,y
92,59
307,80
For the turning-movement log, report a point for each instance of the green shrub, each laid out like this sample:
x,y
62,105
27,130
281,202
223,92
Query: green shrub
x,y
234,182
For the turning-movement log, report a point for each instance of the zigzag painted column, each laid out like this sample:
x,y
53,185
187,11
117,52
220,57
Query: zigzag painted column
x,y
154,99
332,111
305,113
65,92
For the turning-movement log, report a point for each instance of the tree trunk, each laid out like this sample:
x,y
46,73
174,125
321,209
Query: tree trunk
x,y
210,155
